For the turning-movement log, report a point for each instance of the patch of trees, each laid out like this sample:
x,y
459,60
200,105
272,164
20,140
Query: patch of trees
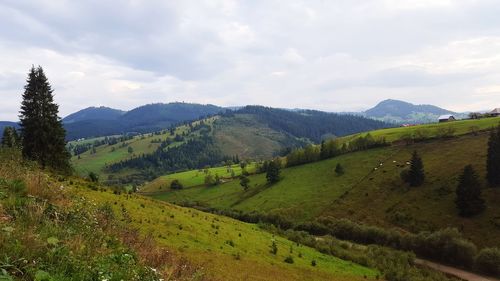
x,y
312,124
10,138
331,148
194,154
176,185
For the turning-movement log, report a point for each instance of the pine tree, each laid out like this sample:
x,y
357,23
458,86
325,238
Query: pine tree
x,y
339,170
416,175
10,137
244,181
469,201
273,172
493,158
43,136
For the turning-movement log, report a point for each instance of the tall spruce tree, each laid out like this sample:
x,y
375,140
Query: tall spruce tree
x,y
43,136
416,175
493,158
469,201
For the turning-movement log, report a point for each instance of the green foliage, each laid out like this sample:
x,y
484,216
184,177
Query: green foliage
x,y
273,172
93,177
289,259
469,201
488,261
176,185
10,137
493,158
43,136
416,174
210,180
244,182
339,170
273,248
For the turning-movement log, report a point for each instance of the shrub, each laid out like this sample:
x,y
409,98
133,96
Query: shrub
x,y
289,259
176,185
488,261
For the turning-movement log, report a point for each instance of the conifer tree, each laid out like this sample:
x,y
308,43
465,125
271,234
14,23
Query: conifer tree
x,y
493,158
10,137
273,172
339,170
469,201
43,136
416,175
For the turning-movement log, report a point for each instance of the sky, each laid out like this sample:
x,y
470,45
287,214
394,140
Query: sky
x,y
332,55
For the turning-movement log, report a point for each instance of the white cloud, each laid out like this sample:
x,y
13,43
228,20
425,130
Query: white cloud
x,y
330,55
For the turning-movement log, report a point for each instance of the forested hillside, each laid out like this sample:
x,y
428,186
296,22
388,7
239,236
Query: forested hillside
x,y
370,188
95,122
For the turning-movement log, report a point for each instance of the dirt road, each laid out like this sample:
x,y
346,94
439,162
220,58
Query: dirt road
x,y
448,270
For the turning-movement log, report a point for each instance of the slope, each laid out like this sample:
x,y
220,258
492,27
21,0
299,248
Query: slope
x,y
55,216
94,122
371,189
94,113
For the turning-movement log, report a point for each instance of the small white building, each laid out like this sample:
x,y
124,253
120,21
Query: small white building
x,y
446,118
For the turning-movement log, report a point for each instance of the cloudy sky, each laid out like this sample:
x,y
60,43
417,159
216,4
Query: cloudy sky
x,y
342,55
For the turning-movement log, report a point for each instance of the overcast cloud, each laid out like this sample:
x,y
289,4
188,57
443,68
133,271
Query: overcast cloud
x,y
343,55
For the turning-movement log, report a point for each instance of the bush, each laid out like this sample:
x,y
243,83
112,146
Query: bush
x,y
289,259
176,185
488,261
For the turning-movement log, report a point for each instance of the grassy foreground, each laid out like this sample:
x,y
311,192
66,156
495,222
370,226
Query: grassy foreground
x,y
113,236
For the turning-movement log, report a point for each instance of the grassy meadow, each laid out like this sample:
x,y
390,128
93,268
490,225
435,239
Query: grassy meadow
x,y
371,189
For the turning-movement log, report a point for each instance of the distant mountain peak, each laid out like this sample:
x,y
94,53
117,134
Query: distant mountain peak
x,y
397,111
94,113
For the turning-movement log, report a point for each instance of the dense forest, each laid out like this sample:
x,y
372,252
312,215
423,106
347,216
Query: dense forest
x,y
144,119
194,154
312,124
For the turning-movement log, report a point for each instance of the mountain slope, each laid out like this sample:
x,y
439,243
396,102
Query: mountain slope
x,y
114,236
311,124
4,124
250,133
371,190
94,113
95,122
396,111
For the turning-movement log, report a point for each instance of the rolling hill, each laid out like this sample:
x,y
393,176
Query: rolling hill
x,y
399,112
94,113
110,235
249,133
371,190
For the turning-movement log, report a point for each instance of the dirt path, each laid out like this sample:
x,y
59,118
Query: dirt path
x,y
448,270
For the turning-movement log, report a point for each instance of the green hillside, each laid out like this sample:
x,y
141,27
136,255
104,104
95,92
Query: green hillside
x,y
371,189
96,162
239,134
113,236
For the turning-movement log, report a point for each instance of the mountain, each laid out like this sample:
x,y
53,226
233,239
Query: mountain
x,y
396,111
4,124
103,121
94,113
253,132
